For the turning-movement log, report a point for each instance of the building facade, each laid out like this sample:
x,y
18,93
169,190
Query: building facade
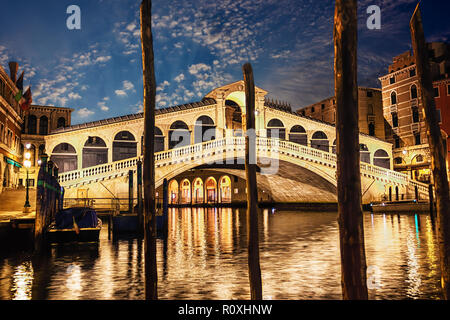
x,y
39,122
403,110
10,131
370,107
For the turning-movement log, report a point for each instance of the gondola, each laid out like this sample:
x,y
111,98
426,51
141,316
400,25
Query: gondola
x,y
79,224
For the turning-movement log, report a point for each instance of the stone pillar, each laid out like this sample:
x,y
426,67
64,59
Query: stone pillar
x,y
260,116
220,116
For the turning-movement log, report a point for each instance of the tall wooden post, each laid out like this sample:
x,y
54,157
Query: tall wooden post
x,y
130,191
41,206
139,196
254,269
438,163
351,231
165,206
151,272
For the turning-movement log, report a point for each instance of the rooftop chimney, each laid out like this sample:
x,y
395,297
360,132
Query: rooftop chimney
x,y
13,69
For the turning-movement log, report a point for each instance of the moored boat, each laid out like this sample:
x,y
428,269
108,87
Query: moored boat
x,y
79,224
408,206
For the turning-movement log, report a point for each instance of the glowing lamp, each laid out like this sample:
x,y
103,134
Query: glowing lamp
x,y
27,163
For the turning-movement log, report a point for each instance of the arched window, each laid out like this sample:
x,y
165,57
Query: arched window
x,y
398,160
393,98
185,191
179,135
371,129
364,153
204,129
211,190
413,92
65,157
43,125
381,159
298,135
95,152
275,129
61,122
333,147
32,124
320,141
394,120
225,189
124,146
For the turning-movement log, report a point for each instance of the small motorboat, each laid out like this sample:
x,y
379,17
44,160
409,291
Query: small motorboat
x,y
79,224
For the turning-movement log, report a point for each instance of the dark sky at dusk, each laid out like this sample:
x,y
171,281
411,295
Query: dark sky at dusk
x,y
199,45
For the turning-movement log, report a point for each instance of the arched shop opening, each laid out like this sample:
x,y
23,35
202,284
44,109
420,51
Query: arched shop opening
x,y
225,189
185,191
173,192
211,190
124,146
197,194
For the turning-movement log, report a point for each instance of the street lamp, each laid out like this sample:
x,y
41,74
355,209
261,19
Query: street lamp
x,y
27,164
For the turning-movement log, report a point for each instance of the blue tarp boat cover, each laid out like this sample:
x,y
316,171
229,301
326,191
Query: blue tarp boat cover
x,y
84,217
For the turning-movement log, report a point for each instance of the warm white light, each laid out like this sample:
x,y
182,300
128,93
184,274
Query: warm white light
x,y
27,155
28,146
27,163
404,151
39,162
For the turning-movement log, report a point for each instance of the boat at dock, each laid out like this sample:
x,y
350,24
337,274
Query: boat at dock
x,y
405,206
75,225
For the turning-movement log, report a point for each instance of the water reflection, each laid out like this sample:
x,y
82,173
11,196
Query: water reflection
x,y
205,257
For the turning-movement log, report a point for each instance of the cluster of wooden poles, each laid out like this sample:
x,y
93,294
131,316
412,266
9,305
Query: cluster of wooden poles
x,y
350,216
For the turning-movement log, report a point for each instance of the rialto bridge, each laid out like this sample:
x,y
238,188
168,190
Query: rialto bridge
x,y
200,150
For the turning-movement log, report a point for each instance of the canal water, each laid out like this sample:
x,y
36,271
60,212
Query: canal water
x,y
205,257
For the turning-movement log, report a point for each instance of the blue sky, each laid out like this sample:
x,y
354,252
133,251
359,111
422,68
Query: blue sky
x,y
199,45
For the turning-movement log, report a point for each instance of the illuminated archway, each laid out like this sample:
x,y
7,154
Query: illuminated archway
x,y
211,190
197,194
173,192
185,191
225,189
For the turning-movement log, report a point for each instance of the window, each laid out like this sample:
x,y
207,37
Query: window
x,y
417,139
371,129
392,80
393,98
369,94
312,109
323,106
436,92
412,72
413,92
448,89
439,115
394,120
415,115
396,142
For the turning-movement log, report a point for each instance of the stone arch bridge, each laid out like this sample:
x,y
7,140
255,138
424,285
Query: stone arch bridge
x,y
296,154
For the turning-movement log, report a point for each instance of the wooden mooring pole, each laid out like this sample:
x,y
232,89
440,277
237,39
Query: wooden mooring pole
x,y
351,231
151,272
139,196
254,269
41,206
437,150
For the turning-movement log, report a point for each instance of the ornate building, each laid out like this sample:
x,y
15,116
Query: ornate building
x,y
10,130
370,109
402,109
39,122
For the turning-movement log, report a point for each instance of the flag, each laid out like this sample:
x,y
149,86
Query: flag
x,y
28,99
19,85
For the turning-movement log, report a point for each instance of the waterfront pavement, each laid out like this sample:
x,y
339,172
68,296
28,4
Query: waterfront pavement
x,y
12,203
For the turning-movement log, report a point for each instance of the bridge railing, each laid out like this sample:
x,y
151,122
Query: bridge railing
x,y
201,151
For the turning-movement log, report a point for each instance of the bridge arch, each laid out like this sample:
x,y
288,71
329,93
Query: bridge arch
x,y
185,189
381,159
65,156
320,141
173,191
124,146
298,135
179,135
364,153
276,129
211,190
95,152
204,129
198,191
225,189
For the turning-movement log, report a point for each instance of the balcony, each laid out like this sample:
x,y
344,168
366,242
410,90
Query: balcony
x,y
415,127
393,108
414,103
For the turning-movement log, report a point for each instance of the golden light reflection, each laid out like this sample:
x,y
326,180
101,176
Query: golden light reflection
x,y
22,281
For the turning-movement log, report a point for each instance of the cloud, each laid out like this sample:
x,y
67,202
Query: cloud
x,y
197,68
85,113
74,96
179,78
127,86
162,86
102,104
120,93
